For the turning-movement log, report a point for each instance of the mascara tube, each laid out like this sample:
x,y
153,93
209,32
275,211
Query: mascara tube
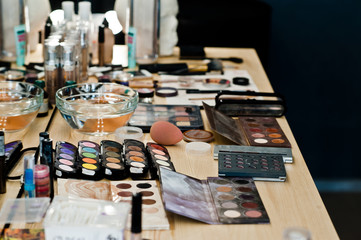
x,y
48,160
136,228
3,176
42,136
29,180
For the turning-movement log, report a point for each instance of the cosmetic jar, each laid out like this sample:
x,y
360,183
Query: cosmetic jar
x,y
198,148
128,133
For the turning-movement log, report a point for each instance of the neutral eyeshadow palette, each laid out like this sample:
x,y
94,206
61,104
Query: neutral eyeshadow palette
x,y
153,213
258,166
112,160
185,117
215,200
248,131
136,158
159,157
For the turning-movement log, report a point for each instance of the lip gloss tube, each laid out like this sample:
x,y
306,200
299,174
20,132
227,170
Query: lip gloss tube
x,y
29,181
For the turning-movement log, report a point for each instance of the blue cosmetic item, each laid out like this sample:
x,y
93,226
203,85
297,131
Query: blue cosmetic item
x,y
29,181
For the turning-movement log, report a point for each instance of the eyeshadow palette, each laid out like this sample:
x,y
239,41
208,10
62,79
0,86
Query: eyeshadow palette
x,y
112,160
12,154
258,166
153,213
88,160
215,200
285,152
159,157
136,158
185,117
65,164
248,131
153,217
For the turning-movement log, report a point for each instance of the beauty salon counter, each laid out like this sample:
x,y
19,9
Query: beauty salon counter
x,y
293,203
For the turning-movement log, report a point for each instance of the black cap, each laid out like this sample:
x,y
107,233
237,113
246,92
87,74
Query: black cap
x,y
137,213
101,34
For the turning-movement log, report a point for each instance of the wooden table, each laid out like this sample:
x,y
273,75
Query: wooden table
x,y
294,203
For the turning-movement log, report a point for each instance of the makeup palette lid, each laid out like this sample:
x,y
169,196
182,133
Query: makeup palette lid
x,y
127,132
224,125
198,148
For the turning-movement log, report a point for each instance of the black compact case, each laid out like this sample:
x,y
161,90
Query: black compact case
x,y
12,154
158,157
237,103
88,160
112,160
136,158
65,164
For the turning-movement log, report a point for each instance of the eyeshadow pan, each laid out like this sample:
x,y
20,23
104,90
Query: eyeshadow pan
x,y
112,154
163,163
113,165
229,205
89,160
113,160
66,145
241,181
275,135
253,214
88,144
258,135
232,213
137,164
112,149
123,185
143,185
261,140
125,194
244,189
135,153
278,141
226,197
66,156
151,210
67,151
88,149
249,205
137,159
156,151
89,155
221,181
66,168
272,130
89,166
246,197
161,157
148,201
156,146
147,193
224,189
135,148
66,162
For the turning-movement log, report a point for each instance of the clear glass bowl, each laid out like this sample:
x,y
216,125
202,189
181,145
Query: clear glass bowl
x,y
19,105
96,108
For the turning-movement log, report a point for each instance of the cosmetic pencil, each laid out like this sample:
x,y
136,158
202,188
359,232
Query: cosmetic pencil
x,y
136,228
3,176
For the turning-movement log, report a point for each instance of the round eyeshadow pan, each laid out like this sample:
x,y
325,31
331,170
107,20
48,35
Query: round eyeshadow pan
x,y
156,151
123,185
241,181
65,168
66,156
67,151
246,197
89,166
125,194
278,140
221,181
148,201
257,130
244,189
224,189
66,162
112,154
249,205
258,135
227,197
89,155
275,135
261,140
232,214
89,160
229,205
163,163
88,144
112,160
134,148
144,185
147,193
253,214
272,130
160,157
113,165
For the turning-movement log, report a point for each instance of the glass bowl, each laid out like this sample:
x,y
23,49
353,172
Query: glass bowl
x,y
96,108
19,105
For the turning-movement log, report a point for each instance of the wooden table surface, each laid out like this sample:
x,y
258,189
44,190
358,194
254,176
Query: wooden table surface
x,y
294,203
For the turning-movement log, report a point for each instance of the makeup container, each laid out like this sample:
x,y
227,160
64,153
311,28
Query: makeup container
x,y
12,154
135,158
127,132
112,160
185,117
198,135
136,228
145,95
65,160
42,180
159,157
52,69
262,167
48,160
29,180
101,45
286,153
215,200
88,160
14,75
248,131
198,148
67,62
3,174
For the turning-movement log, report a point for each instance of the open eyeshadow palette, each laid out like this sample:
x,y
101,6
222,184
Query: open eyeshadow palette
x,y
110,160
215,200
185,117
153,213
248,131
258,166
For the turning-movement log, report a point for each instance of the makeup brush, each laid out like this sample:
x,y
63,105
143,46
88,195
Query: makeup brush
x,y
136,228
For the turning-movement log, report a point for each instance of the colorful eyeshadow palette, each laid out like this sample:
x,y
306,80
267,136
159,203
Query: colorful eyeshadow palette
x,y
215,200
248,131
65,165
185,117
88,160
112,160
261,167
136,158
159,157
153,217
153,213
285,152
12,154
